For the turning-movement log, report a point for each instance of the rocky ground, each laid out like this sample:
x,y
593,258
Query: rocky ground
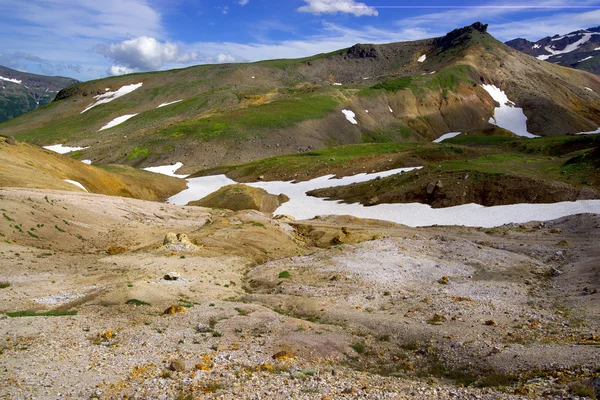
x,y
247,306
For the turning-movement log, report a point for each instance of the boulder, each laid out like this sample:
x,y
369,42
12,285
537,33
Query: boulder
x,y
241,197
11,140
178,242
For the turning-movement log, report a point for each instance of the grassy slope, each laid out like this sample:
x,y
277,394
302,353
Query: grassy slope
x,y
557,168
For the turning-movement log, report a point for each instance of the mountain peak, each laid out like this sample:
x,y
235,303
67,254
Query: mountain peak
x,y
462,36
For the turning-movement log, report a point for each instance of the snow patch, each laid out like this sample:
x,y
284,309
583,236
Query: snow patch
x,y
367,111
585,59
88,162
110,96
507,116
432,72
589,133
350,116
79,185
60,149
10,80
597,48
117,121
587,88
302,206
536,46
168,104
337,84
390,108
167,170
422,58
568,48
446,136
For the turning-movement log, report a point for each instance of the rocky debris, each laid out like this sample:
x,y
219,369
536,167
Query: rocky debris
x,y
177,365
203,328
178,242
282,355
11,140
242,197
172,276
116,250
363,51
174,310
444,280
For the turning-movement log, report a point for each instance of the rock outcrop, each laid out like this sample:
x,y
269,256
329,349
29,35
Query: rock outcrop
x,y
242,197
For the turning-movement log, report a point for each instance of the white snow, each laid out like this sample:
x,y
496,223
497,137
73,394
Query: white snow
x,y
589,133
117,121
587,88
536,46
597,48
88,162
568,48
337,84
508,116
350,116
364,79
432,72
168,104
110,96
390,108
107,89
585,59
252,77
422,58
167,170
60,149
302,206
367,111
445,136
79,185
10,80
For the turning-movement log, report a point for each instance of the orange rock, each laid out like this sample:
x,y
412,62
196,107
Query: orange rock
x,y
174,309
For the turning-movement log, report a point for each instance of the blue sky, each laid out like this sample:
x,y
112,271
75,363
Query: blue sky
x,y
89,39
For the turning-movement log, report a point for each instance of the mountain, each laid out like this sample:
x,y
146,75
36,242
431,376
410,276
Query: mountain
x,y
211,115
21,92
579,49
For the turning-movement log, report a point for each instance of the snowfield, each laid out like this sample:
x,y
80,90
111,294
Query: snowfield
x,y
110,96
350,116
60,149
167,170
168,104
79,185
10,80
445,136
117,121
508,116
589,133
568,48
422,58
302,206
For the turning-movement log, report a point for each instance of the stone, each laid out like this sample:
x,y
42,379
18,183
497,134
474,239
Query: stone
x,y
444,280
430,188
490,322
172,276
177,365
116,250
203,328
178,242
174,310
11,140
282,355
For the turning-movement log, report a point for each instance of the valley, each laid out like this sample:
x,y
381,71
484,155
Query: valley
x,y
406,220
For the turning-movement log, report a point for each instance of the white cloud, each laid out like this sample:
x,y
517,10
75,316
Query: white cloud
x,y
119,70
337,6
146,53
243,2
225,58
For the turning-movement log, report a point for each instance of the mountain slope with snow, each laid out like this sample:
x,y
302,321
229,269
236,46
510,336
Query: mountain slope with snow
x,y
579,49
21,92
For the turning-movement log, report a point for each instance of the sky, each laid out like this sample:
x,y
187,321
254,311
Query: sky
x,y
90,39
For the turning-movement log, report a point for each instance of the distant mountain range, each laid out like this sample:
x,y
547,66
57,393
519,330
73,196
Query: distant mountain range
x,y
21,92
579,49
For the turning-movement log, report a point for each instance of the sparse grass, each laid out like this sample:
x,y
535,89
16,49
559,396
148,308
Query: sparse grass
x,y
242,311
284,275
495,379
137,302
18,314
4,285
358,347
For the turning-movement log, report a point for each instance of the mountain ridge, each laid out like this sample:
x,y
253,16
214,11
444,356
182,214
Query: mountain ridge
x,y
21,92
232,113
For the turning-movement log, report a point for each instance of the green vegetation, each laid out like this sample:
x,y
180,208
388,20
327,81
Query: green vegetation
x,y
137,302
394,85
4,285
358,347
40,314
284,275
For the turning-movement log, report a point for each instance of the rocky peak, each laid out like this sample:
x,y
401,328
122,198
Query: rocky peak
x,y
363,51
461,36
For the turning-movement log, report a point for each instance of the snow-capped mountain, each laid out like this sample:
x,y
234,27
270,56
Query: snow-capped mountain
x,y
579,49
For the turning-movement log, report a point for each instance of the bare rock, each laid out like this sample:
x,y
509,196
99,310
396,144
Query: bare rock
x,y
11,140
178,242
177,365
